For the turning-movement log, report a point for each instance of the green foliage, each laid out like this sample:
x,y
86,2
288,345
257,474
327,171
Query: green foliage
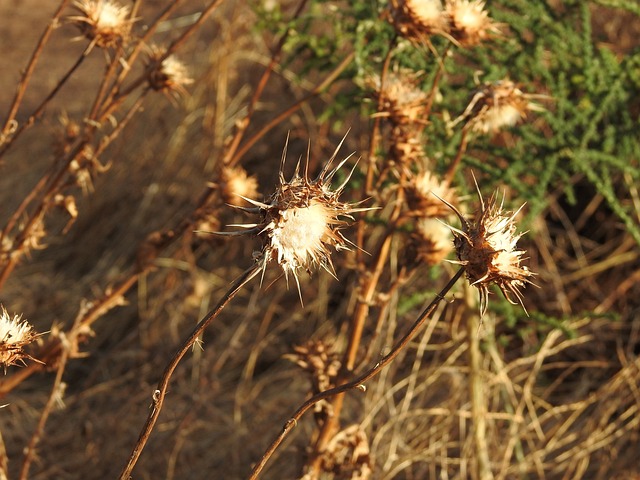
x,y
588,133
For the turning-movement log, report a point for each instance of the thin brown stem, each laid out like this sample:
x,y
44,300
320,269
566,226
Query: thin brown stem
x,y
38,111
293,108
28,72
359,381
54,396
52,189
160,392
462,148
51,351
243,124
365,300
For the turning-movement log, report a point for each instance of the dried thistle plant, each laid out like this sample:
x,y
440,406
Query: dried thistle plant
x,y
15,334
421,189
105,22
496,105
167,74
237,185
469,22
403,101
347,456
487,249
430,242
319,359
417,20
301,221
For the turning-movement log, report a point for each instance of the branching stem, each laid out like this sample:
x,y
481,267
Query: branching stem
x,y
359,381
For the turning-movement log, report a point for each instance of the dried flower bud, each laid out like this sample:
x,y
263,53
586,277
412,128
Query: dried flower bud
x,y
237,186
497,105
65,135
15,333
431,241
319,359
301,221
168,75
104,22
417,20
469,22
347,455
424,192
403,102
487,250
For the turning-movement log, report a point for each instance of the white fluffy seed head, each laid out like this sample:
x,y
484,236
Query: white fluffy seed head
x,y
469,22
300,223
105,22
417,20
497,105
487,249
15,333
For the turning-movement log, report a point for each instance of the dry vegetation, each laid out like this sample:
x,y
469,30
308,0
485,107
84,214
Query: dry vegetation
x,y
108,263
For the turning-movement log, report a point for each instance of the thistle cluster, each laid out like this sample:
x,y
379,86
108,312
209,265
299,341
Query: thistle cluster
x,y
15,334
237,185
464,22
404,104
347,455
487,249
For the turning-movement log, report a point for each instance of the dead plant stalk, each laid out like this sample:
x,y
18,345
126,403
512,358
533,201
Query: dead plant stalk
x,y
163,384
359,381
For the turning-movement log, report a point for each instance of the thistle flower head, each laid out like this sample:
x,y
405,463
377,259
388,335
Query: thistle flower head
x,y
402,99
104,22
300,223
469,22
487,249
237,185
498,105
416,20
424,192
168,75
431,241
15,333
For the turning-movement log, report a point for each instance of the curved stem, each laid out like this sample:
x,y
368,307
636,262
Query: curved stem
x,y
358,382
161,391
28,71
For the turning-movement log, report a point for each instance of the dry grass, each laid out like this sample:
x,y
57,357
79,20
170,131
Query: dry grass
x,y
558,406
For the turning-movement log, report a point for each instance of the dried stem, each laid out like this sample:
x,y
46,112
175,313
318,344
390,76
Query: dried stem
x,y
476,389
243,124
160,392
451,171
293,108
54,396
358,382
51,351
38,111
10,122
